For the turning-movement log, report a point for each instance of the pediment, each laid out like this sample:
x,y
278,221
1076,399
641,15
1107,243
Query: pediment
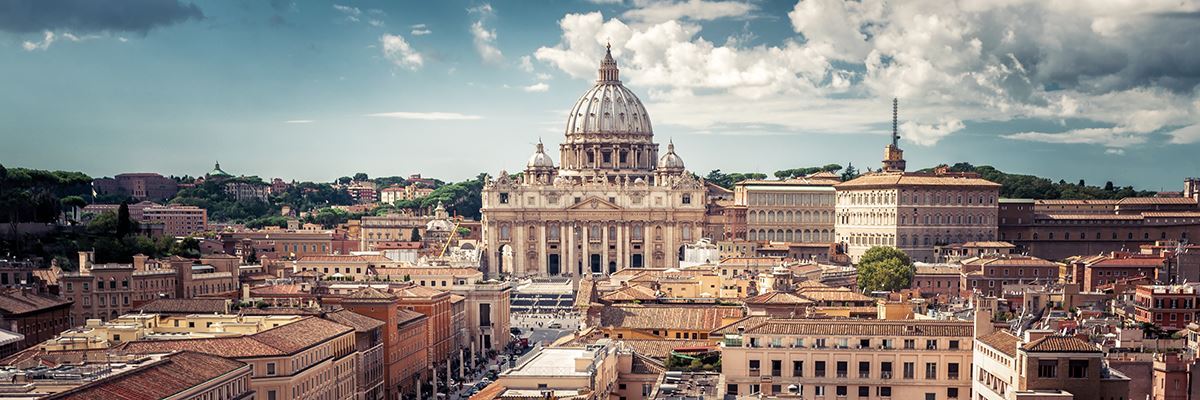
x,y
594,203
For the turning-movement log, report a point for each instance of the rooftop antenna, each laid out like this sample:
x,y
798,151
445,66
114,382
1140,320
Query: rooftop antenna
x,y
895,120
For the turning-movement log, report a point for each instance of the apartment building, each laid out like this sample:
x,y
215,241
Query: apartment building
x,y
1040,365
1171,307
34,317
847,359
793,210
177,220
990,273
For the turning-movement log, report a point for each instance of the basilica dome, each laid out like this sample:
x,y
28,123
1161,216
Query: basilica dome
x,y
608,107
670,161
539,159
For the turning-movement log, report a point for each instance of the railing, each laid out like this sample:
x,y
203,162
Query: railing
x,y
754,372
864,375
841,374
820,373
885,375
953,376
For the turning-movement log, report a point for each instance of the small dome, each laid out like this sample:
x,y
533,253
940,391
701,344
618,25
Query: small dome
x,y
539,159
439,225
670,161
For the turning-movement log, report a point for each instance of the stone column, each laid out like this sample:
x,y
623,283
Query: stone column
x,y
568,238
542,262
622,245
604,248
585,256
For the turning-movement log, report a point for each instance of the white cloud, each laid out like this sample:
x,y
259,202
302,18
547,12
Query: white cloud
x,y
420,30
49,37
1186,135
299,121
526,64
351,13
542,76
485,39
399,52
655,11
928,135
427,116
537,87
374,22
1089,63
1117,152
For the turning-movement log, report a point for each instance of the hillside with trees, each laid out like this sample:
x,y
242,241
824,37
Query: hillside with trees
x,y
1017,186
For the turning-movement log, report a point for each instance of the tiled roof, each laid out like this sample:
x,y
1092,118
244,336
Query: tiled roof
x,y
915,179
164,378
283,340
586,293
1091,202
674,317
661,348
1171,214
403,316
35,356
185,306
937,270
778,298
990,244
748,322
836,295
1157,200
418,271
284,289
417,291
370,294
1002,341
858,328
360,323
18,301
631,293
1095,217
1060,344
1010,260
1129,262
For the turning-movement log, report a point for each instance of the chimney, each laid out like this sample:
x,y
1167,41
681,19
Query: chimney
x,y
984,313
85,261
139,262
245,292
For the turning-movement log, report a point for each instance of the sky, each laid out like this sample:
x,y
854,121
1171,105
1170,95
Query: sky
x,y
313,90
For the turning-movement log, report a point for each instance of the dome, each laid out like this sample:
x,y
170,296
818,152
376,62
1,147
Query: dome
x,y
439,225
539,159
608,107
670,161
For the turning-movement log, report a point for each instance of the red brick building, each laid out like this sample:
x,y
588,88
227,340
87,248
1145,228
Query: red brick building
x,y
988,275
1171,307
1096,271
39,318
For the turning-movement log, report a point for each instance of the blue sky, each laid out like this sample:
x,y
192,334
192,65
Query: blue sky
x,y
1094,90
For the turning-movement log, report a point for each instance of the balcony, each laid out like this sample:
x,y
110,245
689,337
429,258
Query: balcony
x,y
754,372
885,375
953,376
864,375
841,374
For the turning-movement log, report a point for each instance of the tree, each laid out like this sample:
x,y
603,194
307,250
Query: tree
x,y
124,224
884,269
1108,186
850,172
344,180
415,236
360,177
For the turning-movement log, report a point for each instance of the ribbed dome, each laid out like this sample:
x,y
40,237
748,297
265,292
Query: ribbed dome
x,y
539,159
670,161
608,107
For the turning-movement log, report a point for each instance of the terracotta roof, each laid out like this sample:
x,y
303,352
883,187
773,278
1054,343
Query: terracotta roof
x,y
674,317
454,298
937,270
836,295
419,271
1171,214
631,293
174,374
748,322
277,289
370,294
342,258
1002,341
915,179
995,244
1060,344
185,306
283,340
1128,262
18,301
1157,200
403,316
788,326
417,291
360,323
1010,260
489,392
586,294
661,348
778,298
1056,202
35,356
1099,217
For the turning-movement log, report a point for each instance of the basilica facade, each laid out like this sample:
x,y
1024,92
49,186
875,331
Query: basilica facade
x,y
613,201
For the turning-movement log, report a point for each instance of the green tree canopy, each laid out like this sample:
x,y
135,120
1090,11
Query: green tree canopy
x,y
884,269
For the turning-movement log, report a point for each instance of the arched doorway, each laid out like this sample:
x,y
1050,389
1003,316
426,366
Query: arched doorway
x,y
553,264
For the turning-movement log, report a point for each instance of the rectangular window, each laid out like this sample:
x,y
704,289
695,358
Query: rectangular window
x,y
754,367
270,368
819,369
931,371
953,345
952,393
885,370
797,368
776,368
909,370
842,366
952,371
1077,369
